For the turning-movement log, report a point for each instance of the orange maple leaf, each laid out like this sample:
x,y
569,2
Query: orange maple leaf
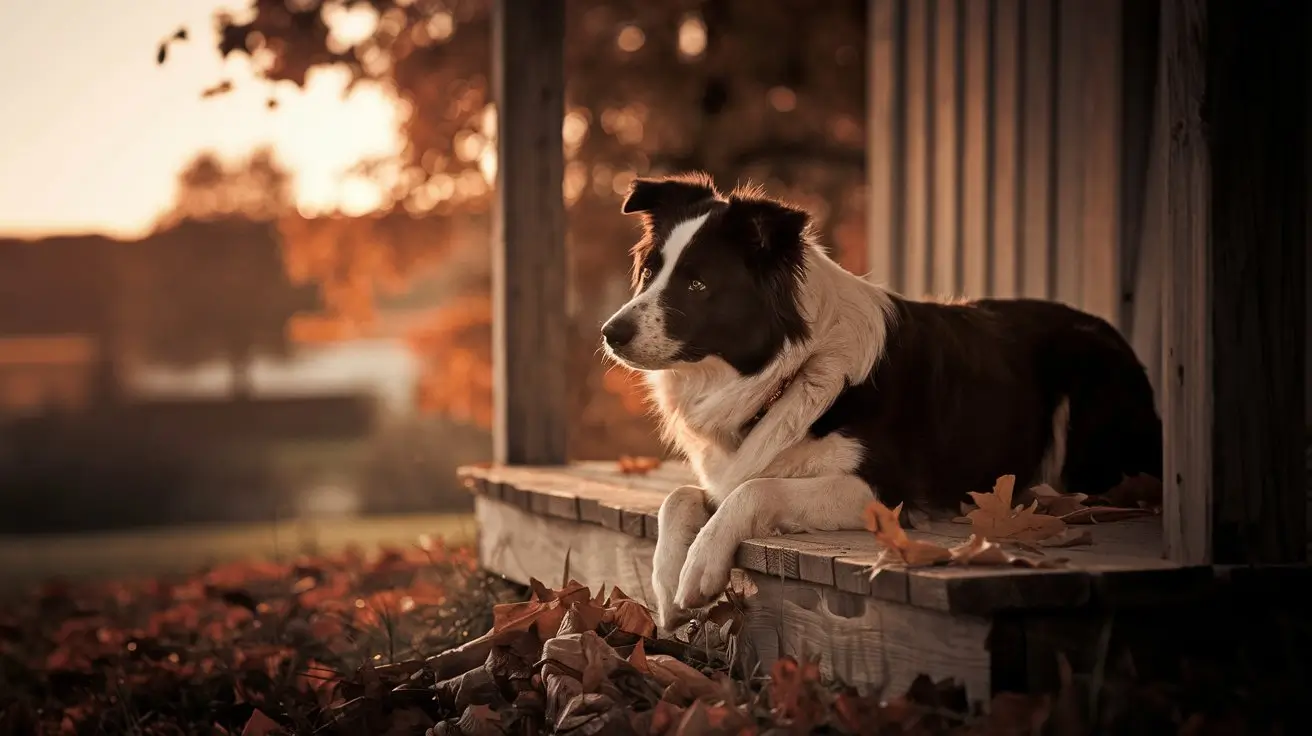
x,y
883,521
995,518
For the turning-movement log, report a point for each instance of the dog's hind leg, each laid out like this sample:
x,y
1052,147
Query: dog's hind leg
x,y
683,513
760,507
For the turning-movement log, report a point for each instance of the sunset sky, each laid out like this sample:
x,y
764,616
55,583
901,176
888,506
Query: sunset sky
x,y
93,132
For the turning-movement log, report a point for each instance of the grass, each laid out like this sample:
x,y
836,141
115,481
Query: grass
x,y
28,560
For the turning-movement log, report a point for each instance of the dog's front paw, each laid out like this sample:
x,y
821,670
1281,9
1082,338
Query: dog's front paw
x,y
666,564
705,574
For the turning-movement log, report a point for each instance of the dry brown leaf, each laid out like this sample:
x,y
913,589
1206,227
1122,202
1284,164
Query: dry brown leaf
x,y
260,725
638,465
1134,491
629,615
1054,503
883,521
997,519
543,612
1069,538
1103,514
979,551
638,658
670,671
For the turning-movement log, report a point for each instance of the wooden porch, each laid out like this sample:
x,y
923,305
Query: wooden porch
x,y
1218,232
812,595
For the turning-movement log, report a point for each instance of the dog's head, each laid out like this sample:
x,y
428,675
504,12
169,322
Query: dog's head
x,y
714,275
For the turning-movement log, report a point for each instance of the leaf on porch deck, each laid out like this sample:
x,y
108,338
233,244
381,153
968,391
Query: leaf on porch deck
x,y
637,465
898,547
996,518
979,551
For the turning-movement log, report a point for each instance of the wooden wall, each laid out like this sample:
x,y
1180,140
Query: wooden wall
x,y
1007,153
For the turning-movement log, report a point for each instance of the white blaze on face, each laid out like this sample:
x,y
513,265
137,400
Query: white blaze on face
x,y
652,348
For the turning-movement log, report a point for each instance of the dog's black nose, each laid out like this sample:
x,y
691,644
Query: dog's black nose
x,y
619,332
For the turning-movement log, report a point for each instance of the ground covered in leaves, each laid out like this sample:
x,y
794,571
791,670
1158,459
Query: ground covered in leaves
x,y
419,641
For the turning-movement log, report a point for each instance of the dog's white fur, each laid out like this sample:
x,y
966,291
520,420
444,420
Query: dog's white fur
x,y
778,478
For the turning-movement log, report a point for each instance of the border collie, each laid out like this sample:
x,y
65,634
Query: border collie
x,y
799,391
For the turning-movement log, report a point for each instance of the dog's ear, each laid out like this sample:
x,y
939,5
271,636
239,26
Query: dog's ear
x,y
770,225
654,196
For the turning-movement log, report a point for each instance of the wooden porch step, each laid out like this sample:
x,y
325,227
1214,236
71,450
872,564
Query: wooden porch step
x,y
987,627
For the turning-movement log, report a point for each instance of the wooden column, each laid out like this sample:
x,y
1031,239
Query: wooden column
x,y
529,334
1234,322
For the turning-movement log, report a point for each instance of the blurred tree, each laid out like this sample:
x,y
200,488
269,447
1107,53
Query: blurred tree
x,y
210,282
740,88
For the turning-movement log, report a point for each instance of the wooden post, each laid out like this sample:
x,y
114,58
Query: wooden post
x,y
529,327
1236,79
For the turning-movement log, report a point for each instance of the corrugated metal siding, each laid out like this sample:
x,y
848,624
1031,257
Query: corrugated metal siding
x,y
996,150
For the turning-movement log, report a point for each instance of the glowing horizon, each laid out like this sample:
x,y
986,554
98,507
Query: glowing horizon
x,y
95,131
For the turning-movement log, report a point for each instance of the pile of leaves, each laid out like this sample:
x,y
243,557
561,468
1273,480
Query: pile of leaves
x,y
1014,534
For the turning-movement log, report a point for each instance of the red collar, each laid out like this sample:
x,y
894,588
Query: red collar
x,y
770,401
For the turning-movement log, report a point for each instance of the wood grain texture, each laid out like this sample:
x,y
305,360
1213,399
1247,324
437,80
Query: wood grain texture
x,y
884,144
945,202
918,134
1037,152
867,643
521,545
1186,293
1256,131
976,243
1003,183
529,277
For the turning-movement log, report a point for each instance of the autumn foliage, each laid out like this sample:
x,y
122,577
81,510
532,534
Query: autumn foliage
x,y
736,88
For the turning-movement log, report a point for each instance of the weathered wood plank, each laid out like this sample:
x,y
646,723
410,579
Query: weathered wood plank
x,y
1122,564
521,545
976,245
1099,267
530,326
945,203
884,145
1004,156
1234,331
1186,396
1037,151
918,134
864,642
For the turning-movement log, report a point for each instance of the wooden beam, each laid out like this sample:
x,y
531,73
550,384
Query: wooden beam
x,y
1234,320
529,323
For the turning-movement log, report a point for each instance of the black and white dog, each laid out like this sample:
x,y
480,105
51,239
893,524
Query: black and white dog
x,y
799,391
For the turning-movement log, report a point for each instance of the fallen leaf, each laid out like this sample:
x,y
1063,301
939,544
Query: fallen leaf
x,y
260,725
980,551
883,521
638,465
1069,538
629,615
669,671
1104,514
1055,503
995,517
1134,491
638,658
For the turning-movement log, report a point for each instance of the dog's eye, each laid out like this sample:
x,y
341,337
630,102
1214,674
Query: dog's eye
x,y
696,285
644,276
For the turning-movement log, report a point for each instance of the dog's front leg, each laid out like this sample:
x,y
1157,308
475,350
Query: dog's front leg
x,y
760,507
683,513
